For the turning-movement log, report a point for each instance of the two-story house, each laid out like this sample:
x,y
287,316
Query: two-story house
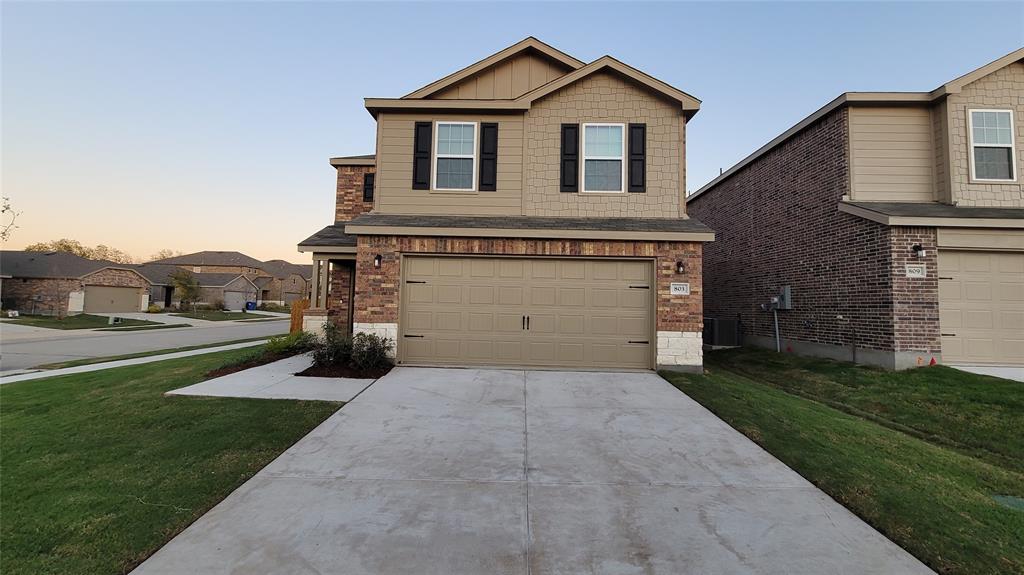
x,y
528,210
895,219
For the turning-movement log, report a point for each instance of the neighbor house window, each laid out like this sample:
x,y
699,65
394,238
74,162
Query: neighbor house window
x,y
197,269
455,159
992,153
604,150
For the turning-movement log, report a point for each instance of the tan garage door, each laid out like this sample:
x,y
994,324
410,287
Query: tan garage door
x,y
981,307
106,299
531,312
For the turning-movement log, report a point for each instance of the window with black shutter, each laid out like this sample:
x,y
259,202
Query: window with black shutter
x,y
488,157
638,158
570,164
421,156
368,187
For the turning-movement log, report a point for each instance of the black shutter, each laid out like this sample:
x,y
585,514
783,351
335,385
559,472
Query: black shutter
x,y
368,187
421,156
637,158
570,165
488,157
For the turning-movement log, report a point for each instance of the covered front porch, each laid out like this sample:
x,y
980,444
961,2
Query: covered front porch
x,y
333,286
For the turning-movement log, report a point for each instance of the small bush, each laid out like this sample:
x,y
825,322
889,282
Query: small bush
x,y
334,347
218,305
298,342
274,307
370,351
153,308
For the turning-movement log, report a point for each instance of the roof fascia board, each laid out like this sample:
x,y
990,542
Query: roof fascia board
x,y
303,248
930,221
954,87
377,105
353,162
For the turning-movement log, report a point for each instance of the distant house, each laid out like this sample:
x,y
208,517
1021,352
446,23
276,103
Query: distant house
x,y
60,283
272,281
232,289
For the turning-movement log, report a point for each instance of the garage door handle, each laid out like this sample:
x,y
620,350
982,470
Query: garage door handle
x,y
639,287
639,341
947,334
415,282
527,323
408,335
942,278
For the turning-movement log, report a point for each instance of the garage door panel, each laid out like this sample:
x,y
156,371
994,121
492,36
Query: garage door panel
x,y
421,293
423,267
981,307
582,312
110,299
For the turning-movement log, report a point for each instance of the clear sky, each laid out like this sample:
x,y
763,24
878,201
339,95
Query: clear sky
x,y
193,125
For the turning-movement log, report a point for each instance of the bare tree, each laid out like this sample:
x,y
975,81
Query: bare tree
x,y
164,254
7,227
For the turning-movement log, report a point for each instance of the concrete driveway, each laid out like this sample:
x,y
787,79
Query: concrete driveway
x,y
453,471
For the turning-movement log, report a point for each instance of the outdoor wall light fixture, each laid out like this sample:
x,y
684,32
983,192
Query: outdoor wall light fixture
x,y
918,250
376,261
680,268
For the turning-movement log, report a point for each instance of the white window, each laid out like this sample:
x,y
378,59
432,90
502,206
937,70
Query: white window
x,y
604,150
197,269
993,157
455,156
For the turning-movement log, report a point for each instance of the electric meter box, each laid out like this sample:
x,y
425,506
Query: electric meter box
x,y
785,298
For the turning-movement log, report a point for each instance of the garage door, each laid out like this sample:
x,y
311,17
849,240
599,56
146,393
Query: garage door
x,y
529,312
106,299
234,300
981,307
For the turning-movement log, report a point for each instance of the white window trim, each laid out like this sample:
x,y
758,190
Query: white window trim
x,y
1012,146
476,140
621,158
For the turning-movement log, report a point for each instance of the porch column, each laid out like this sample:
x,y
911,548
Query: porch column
x,y
325,282
315,292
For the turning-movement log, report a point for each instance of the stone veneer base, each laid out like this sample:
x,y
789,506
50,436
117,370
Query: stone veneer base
x,y
680,348
386,330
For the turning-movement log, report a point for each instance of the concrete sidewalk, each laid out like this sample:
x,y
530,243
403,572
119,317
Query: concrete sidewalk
x,y
277,380
4,380
495,472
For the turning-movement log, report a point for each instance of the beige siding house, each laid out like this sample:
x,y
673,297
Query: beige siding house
x,y
895,219
527,210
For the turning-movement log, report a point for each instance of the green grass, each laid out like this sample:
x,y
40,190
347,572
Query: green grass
x,y
92,360
875,442
100,469
146,327
221,315
80,321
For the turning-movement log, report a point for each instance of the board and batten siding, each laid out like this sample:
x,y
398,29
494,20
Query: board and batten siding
x,y
892,155
394,193
505,80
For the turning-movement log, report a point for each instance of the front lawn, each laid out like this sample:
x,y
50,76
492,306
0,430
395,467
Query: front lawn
x,y
919,455
80,321
221,315
100,469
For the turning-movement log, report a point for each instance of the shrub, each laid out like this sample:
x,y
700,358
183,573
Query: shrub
x,y
370,352
298,342
334,347
218,305
153,308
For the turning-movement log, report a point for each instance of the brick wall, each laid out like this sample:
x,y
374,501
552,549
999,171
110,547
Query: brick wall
x,y
604,98
116,278
1002,90
377,289
18,294
915,300
240,270
349,202
776,224
339,293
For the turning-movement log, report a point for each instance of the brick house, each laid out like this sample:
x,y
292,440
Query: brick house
x,y
60,283
273,281
896,220
528,210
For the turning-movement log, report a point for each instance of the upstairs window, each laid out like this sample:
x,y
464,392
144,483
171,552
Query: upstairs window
x,y
604,153
455,156
368,187
992,152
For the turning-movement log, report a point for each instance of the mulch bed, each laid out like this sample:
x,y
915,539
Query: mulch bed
x,y
255,362
343,371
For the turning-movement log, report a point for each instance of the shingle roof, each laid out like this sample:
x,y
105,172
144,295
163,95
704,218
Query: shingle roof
x,y
21,264
212,258
158,274
936,210
332,235
281,268
533,223
216,279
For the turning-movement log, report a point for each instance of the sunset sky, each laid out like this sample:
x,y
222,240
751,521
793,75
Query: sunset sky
x,y
208,126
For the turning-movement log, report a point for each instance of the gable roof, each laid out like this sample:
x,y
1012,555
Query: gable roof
x,y
527,44
56,265
688,103
219,279
867,98
158,274
212,258
282,269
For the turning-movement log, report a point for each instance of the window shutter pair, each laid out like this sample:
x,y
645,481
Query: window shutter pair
x,y
636,158
368,187
488,156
